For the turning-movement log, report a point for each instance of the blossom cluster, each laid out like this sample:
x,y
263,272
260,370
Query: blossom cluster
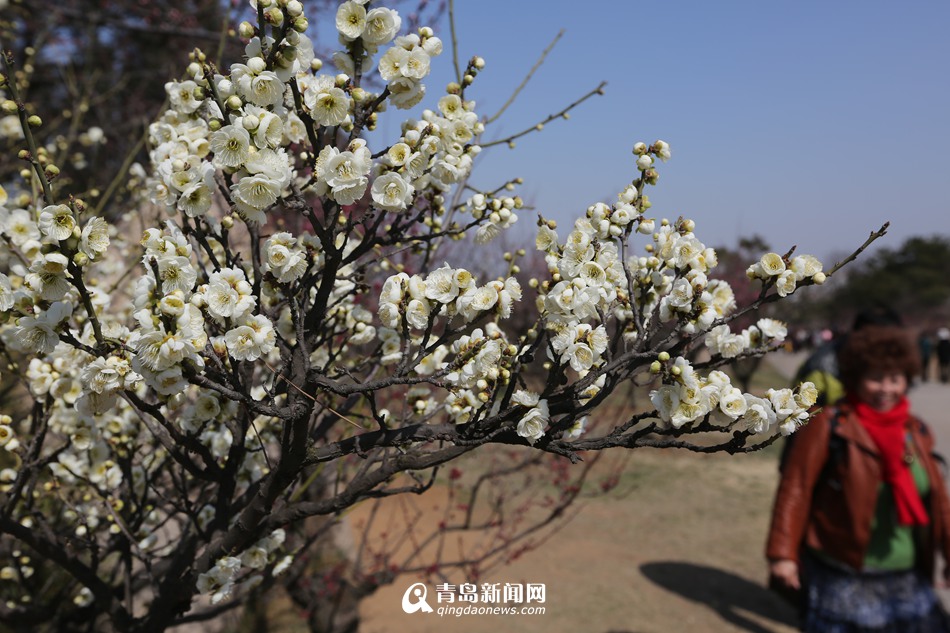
x,y
686,397
787,274
445,291
764,334
221,580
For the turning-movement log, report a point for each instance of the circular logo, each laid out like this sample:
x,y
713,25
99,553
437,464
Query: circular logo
x,y
415,599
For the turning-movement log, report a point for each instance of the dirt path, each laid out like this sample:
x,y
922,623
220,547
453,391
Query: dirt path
x,y
675,547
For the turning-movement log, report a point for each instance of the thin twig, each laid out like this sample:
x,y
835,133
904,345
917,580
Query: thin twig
x,y
871,238
599,90
455,43
524,82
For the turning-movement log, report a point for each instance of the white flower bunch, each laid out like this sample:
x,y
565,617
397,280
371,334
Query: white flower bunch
x,y
8,439
218,581
406,63
37,334
786,275
260,554
326,101
344,176
48,277
184,96
227,295
484,355
500,212
532,424
253,82
448,292
253,338
686,397
612,221
580,345
260,182
162,345
103,375
20,226
461,405
589,274
764,334
375,27
284,258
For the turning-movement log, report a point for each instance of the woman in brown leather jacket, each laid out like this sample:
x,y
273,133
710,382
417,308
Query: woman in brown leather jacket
x,y
862,508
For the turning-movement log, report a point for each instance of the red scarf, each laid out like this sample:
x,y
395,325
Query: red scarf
x,y
888,429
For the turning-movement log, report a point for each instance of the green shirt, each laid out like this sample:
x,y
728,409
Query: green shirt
x,y
892,545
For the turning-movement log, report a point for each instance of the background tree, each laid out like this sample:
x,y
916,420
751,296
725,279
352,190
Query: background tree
x,y
914,278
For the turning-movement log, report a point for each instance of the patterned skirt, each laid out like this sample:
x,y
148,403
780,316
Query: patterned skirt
x,y
842,601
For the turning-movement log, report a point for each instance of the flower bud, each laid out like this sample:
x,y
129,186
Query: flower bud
x,y
663,356
234,102
294,8
300,24
655,367
8,106
274,16
34,121
246,30
316,64
819,278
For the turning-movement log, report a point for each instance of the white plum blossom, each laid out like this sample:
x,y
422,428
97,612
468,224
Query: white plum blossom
x,y
57,221
351,19
381,27
218,581
231,146
228,294
328,103
532,425
95,238
391,192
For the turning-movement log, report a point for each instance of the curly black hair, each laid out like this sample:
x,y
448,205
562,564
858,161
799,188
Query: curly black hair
x,y
877,347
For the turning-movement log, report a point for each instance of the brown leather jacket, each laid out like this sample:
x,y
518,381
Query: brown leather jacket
x,y
832,511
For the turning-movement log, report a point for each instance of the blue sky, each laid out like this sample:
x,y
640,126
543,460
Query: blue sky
x,y
809,123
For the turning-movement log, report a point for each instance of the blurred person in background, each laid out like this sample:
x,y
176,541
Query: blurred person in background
x,y
943,353
926,344
861,509
821,367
